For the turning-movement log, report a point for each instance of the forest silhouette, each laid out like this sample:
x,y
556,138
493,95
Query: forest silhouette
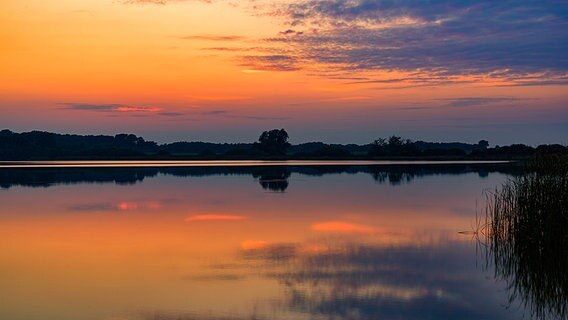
x,y
272,144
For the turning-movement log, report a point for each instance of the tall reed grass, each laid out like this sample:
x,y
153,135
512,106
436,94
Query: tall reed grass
x,y
526,234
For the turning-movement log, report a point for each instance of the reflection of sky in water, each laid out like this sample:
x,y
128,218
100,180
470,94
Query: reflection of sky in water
x,y
332,246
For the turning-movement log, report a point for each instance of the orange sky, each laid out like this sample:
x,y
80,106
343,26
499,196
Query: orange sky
x,y
224,71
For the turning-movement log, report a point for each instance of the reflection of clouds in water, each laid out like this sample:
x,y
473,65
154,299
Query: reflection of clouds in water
x,y
215,217
342,227
349,280
265,251
253,245
192,316
116,206
347,277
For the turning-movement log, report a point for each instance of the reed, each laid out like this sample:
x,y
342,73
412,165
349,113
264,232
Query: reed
x,y
526,234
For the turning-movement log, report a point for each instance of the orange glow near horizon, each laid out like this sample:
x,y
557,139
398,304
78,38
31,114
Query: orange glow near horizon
x,y
187,68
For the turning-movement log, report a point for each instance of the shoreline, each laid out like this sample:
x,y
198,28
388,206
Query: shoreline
x,y
233,163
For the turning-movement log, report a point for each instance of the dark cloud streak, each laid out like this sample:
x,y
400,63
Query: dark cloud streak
x,y
480,101
214,37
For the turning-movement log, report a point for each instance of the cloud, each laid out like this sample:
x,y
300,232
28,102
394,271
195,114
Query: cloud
x,y
291,32
277,62
136,109
227,49
172,114
214,112
114,108
510,40
145,1
214,37
160,1
479,101
561,81
215,217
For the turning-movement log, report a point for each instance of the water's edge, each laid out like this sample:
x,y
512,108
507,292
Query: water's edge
x,y
224,163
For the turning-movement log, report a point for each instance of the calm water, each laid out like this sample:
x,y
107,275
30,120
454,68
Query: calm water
x,y
247,242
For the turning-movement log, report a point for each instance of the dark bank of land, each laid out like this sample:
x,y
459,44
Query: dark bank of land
x,y
271,145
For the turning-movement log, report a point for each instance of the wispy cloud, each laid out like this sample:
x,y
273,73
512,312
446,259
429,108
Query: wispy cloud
x,y
290,33
145,1
137,109
227,49
117,108
480,101
214,37
278,62
214,112
172,114
161,1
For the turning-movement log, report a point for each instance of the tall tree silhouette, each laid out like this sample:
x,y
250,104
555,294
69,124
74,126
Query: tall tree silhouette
x,y
273,142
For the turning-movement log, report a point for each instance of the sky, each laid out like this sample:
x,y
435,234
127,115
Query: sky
x,y
335,71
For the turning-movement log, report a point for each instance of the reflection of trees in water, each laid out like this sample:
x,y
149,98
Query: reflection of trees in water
x,y
528,238
273,178
270,178
401,174
394,178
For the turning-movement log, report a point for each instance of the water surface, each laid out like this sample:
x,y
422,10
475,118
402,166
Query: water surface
x,y
294,241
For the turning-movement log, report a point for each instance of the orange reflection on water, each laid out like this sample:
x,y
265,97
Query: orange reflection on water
x,y
253,245
342,227
62,246
127,205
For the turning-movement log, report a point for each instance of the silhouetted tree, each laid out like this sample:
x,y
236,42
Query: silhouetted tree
x,y
551,149
273,142
393,146
483,144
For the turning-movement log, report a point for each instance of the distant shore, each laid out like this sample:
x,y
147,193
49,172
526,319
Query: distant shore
x,y
272,145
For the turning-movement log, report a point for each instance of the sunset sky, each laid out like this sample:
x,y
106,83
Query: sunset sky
x,y
327,70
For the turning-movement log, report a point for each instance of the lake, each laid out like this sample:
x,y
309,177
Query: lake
x,y
220,241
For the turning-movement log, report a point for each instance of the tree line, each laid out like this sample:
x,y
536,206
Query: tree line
x,y
39,145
